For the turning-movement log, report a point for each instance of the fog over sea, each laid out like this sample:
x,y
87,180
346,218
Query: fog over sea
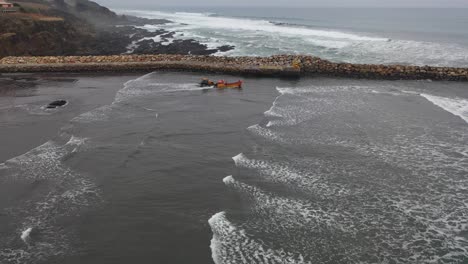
x,y
359,35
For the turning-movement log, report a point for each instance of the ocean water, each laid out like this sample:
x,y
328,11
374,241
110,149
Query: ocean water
x,y
151,168
359,35
154,169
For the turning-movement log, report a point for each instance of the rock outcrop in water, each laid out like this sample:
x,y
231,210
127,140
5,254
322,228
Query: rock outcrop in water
x,y
289,65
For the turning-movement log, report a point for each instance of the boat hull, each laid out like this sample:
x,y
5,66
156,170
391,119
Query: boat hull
x,y
235,85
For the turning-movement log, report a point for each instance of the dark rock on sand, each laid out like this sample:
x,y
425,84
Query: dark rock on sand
x,y
56,104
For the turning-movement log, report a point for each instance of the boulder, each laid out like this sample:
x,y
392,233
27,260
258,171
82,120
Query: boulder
x,y
57,103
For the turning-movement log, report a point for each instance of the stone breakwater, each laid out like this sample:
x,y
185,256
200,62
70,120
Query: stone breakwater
x,y
280,65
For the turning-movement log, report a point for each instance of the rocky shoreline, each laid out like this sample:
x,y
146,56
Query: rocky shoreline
x,y
83,27
132,39
279,65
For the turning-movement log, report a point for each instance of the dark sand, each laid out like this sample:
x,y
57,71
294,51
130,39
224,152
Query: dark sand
x,y
24,121
331,171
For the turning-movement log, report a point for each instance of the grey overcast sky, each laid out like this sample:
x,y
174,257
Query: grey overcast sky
x,y
291,3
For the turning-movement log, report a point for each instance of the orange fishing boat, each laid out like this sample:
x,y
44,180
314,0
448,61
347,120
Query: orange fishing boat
x,y
221,84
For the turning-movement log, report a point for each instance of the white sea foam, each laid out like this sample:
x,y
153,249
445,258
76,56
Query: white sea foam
x,y
39,110
277,216
408,52
232,245
76,141
329,44
131,47
66,193
311,181
229,179
138,87
132,88
147,87
122,106
406,160
212,22
455,106
266,133
277,172
176,87
25,235
258,37
288,115
394,93
316,101
303,104
38,163
98,114
14,256
304,91
288,211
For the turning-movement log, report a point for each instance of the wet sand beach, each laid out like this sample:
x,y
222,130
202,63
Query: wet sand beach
x,y
27,123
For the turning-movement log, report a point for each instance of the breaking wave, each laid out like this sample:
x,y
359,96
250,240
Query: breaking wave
x,y
231,245
389,186
455,106
258,37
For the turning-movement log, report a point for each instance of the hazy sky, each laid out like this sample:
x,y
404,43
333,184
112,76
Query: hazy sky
x,y
295,3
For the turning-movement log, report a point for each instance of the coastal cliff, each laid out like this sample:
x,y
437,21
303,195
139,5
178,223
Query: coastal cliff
x,y
82,27
47,28
41,36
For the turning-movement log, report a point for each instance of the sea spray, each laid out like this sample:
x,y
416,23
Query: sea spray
x,y
26,235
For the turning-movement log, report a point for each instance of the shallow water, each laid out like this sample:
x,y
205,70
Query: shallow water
x,y
323,171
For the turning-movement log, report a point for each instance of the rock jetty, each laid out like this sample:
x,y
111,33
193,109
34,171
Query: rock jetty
x,y
279,65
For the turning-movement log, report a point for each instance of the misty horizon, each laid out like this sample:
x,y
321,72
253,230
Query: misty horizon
x,y
291,4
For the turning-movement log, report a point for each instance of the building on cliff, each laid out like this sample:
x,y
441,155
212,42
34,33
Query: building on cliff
x,y
6,7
